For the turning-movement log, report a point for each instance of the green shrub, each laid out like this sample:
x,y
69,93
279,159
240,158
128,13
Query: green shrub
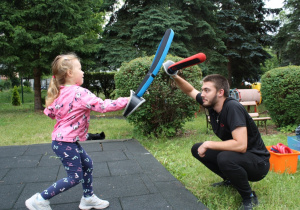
x,y
25,89
27,84
166,108
281,95
5,84
15,100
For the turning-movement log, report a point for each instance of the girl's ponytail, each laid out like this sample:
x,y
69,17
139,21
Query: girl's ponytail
x,y
53,91
60,66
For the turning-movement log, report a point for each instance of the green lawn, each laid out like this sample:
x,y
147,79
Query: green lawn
x,y
21,126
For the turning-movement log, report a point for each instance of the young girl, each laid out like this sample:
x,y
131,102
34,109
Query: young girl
x,y
71,105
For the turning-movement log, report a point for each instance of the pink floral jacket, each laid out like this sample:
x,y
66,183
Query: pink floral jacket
x,y
72,112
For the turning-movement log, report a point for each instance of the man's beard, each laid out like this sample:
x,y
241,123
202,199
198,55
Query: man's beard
x,y
212,103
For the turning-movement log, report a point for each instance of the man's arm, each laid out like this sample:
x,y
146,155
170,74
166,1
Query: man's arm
x,y
239,143
186,87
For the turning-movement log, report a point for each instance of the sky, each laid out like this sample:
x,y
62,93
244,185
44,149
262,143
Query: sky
x,y
273,3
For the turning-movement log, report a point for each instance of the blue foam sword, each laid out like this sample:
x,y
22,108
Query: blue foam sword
x,y
136,98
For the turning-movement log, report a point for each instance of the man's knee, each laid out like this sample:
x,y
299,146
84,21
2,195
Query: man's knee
x,y
194,149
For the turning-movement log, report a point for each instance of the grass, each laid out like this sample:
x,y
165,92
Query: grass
x,y
22,126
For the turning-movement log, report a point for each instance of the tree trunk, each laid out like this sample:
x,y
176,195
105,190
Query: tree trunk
x,y
229,70
37,90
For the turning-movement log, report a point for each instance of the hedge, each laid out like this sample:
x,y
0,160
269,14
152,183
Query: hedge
x,y
166,108
281,95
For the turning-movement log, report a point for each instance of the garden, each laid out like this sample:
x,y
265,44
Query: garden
x,y
21,125
116,43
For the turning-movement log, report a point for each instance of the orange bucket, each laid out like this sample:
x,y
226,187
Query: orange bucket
x,y
283,162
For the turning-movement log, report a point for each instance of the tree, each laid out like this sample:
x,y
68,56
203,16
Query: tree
x,y
245,33
231,33
137,28
33,32
270,63
287,41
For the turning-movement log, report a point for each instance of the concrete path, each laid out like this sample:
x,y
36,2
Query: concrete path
x,y
125,174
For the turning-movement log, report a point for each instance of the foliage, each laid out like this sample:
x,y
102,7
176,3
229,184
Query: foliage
x,y
166,108
5,84
288,129
270,63
34,32
287,41
231,33
26,89
27,84
245,32
281,93
100,82
15,99
137,28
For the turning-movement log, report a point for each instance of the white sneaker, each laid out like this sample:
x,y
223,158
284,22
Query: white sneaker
x,y
34,204
93,202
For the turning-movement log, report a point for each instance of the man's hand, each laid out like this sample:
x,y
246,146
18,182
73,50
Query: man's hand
x,y
170,72
202,149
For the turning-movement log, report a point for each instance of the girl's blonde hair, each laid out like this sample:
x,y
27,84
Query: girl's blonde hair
x,y
60,66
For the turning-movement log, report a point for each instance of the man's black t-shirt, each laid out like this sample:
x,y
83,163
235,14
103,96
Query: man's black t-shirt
x,y
234,115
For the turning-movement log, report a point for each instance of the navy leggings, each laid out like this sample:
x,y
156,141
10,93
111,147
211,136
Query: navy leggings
x,y
79,168
238,168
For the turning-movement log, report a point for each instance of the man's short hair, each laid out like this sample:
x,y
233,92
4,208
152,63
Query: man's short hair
x,y
219,81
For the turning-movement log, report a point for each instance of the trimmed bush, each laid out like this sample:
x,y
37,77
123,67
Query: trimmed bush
x,y
25,89
27,84
166,108
281,95
15,100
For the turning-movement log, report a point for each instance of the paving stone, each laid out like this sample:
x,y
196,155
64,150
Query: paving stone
x,y
9,194
50,160
154,169
12,151
118,186
27,175
124,167
39,149
3,172
178,196
29,190
108,156
125,174
145,202
108,146
19,161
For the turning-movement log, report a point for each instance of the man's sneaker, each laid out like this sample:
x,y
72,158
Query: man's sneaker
x,y
225,183
92,202
248,204
34,204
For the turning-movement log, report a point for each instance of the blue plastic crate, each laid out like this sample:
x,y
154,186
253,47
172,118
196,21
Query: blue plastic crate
x,y
294,143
